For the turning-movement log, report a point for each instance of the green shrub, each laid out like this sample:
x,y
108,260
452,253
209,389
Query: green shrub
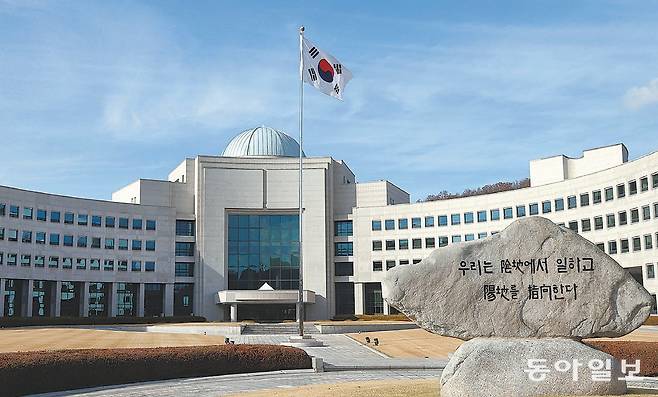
x,y
12,322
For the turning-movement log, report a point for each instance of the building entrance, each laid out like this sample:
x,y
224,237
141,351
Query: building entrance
x,y
267,313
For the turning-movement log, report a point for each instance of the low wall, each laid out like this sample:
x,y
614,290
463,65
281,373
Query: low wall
x,y
363,327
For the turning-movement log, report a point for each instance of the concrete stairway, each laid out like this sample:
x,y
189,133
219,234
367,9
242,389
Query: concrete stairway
x,y
278,329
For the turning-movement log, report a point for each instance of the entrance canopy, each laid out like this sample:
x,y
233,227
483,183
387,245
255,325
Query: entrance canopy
x,y
262,296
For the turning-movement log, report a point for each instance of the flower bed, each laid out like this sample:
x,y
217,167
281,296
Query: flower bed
x,y
646,352
12,322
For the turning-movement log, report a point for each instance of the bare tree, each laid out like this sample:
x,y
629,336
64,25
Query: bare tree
x,y
486,189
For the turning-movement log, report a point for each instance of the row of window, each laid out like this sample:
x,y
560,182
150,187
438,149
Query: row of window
x,y
27,236
547,206
54,262
430,242
70,218
625,245
378,266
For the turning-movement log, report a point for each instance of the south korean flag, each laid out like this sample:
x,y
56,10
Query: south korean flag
x,y
323,71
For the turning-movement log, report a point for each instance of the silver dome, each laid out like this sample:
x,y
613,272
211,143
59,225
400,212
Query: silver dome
x,y
262,142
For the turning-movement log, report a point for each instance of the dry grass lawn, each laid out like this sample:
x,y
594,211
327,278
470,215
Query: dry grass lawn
x,y
31,339
414,343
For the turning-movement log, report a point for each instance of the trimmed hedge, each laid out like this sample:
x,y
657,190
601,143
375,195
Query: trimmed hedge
x,y
371,317
12,322
47,371
646,352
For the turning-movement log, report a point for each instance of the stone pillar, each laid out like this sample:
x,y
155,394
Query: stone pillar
x,y
56,303
387,309
140,300
29,290
234,312
113,301
169,300
84,299
2,296
358,298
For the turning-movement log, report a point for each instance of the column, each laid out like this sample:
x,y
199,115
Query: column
x,y
169,300
140,300
358,298
27,306
114,288
387,310
2,296
234,312
56,304
84,298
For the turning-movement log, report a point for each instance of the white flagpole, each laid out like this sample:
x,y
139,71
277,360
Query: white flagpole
x,y
300,298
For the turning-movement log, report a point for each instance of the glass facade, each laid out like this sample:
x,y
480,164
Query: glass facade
x,y
263,249
153,300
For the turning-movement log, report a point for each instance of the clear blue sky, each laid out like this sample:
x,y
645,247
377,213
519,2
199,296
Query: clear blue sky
x,y
445,95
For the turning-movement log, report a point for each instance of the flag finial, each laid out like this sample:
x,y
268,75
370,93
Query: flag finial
x,y
301,29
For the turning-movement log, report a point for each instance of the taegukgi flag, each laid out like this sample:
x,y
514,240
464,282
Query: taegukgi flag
x,y
323,71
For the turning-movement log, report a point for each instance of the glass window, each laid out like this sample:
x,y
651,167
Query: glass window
x,y
376,225
494,214
96,220
610,220
42,215
455,219
648,242
123,223
456,239
403,223
429,221
654,180
187,249
612,247
651,271
571,202
2,233
482,235
573,225
12,259
343,228
27,212
95,242
12,235
584,199
632,187
40,238
644,183
404,261
546,207
621,190
55,216
122,265
377,245
82,241
149,266
39,261
469,237
443,220
109,243
137,245
122,244
482,216
150,245
520,211
507,213
67,263
108,265
623,218
624,245
635,215
468,217
637,243
13,211
417,243
94,264
655,210
68,241
389,224
609,193
186,228
186,269
81,263
150,224
344,249
390,264
83,219
598,222
377,266
429,242
137,224
596,196
136,266
69,217
534,209
3,208
54,239
26,236
646,213
443,241
415,223
390,245
585,225
109,221
403,244
559,204
26,260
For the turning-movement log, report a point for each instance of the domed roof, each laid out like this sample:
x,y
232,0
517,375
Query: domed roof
x,y
262,142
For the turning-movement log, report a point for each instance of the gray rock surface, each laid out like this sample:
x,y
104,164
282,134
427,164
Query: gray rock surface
x,y
497,367
441,298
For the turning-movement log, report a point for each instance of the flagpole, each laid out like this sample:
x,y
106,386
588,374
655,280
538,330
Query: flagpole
x,y
300,298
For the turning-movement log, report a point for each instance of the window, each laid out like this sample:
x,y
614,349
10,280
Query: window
x,y
390,265
469,237
559,204
623,245
621,190
68,241
13,211
520,211
573,225
623,218
585,225
429,242
404,261
137,224
598,222
429,221
340,269
12,259
416,261
443,220
635,215
150,224
94,264
3,208
468,217
42,215
456,239
123,223
185,249
1,258
122,265
67,263
390,245
648,242
644,184
82,241
610,220
149,266
341,228
136,266
612,247
40,238
655,210
646,213
344,249
68,218
376,225
137,245
12,235
26,237
596,197
403,244
534,209
39,261
96,220
415,223
377,266
26,260
609,194
417,243
109,243
150,245
403,223
546,207
632,187
482,235
122,244
186,269
495,214
571,202
455,219
651,271
83,219
584,199
654,180
108,265
507,213
376,245
27,212
54,239
389,224
81,263
637,243
95,242
109,221
482,216
443,241
53,262
600,246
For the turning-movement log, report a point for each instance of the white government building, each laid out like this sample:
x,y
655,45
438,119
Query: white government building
x,y
219,237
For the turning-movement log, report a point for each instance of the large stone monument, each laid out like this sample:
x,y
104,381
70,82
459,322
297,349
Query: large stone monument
x,y
523,299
